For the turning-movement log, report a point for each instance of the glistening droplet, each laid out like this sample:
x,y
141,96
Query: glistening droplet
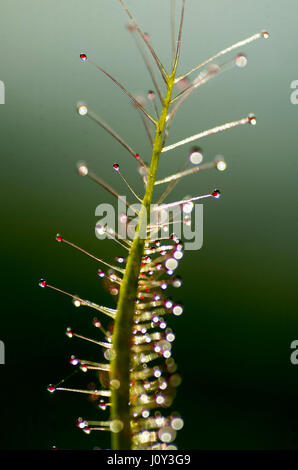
x,y
196,156
252,119
241,60
216,194
42,283
83,57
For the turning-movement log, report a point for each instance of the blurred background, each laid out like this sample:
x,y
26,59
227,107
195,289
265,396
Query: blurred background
x,y
239,388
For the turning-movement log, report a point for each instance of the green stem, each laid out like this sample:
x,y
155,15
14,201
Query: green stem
x,y
120,365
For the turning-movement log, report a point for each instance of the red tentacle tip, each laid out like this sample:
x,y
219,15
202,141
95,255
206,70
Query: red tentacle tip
x,y
116,167
96,323
83,57
81,423
216,194
150,95
69,333
252,119
59,238
42,283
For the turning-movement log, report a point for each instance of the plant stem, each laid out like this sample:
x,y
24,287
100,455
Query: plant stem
x,y
122,334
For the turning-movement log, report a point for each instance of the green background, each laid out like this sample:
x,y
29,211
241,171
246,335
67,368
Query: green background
x,y
239,389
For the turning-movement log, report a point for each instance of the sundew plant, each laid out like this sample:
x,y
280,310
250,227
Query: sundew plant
x,y
137,374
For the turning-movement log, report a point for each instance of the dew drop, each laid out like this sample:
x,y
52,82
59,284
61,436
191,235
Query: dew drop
x,y
177,310
100,273
83,367
177,423
159,399
102,405
96,322
100,229
241,60
187,207
220,164
187,221
115,384
69,332
116,425
183,84
171,264
162,384
74,360
252,119
42,283
157,372
174,237
265,34
82,110
145,413
109,354
116,167
170,337
168,304
144,437
196,156
51,388
216,194
167,434
123,218
82,169
76,302
176,282
83,57
151,95
81,423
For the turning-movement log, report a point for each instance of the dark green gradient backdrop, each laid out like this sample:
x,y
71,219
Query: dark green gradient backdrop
x,y
239,388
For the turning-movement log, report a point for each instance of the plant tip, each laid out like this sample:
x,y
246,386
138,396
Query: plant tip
x,y
216,194
83,57
82,169
42,283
